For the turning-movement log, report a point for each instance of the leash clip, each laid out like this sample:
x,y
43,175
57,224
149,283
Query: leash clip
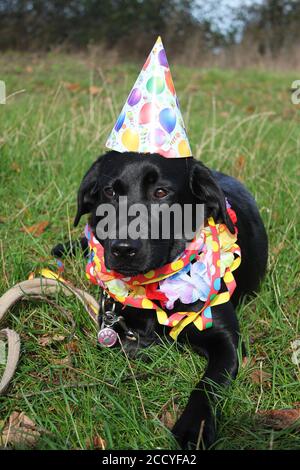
x,y
107,336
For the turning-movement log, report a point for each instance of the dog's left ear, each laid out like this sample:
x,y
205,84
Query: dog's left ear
x,y
204,186
88,191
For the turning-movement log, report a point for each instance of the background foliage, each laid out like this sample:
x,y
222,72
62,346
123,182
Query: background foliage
x,y
230,33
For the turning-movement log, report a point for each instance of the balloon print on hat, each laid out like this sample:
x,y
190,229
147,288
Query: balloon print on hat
x,y
146,113
130,140
147,62
120,121
184,148
155,85
169,82
167,118
157,137
134,97
162,58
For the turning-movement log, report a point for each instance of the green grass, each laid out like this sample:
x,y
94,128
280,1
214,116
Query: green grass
x,y
240,122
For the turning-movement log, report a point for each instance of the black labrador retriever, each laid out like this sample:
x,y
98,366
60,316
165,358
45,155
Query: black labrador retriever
x,y
151,179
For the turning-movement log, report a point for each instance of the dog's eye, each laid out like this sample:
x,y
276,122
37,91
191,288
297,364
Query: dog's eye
x,y
109,191
160,193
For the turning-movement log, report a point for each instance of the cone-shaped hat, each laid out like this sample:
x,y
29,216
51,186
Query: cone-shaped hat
x,y
151,121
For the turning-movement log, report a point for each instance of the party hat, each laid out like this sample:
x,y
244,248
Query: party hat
x,y
151,121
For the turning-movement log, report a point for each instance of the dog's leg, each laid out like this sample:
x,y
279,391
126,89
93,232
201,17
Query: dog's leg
x,y
70,248
197,422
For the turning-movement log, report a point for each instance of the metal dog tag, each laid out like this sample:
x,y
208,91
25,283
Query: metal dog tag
x,y
107,337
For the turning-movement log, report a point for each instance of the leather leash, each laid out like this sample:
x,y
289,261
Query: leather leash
x,y
26,290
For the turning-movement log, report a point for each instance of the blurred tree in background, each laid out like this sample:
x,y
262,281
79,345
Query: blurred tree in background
x,y
41,24
198,27
273,24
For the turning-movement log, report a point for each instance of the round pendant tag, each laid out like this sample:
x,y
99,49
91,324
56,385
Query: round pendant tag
x,y
107,337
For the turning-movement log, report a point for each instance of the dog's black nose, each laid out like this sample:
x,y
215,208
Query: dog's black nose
x,y
125,248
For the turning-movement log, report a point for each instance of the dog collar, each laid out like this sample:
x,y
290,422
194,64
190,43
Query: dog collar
x,y
210,258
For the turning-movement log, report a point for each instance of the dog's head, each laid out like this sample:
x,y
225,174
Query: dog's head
x,y
149,181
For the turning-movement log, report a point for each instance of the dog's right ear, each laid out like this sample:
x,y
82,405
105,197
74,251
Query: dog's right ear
x,y
207,190
88,191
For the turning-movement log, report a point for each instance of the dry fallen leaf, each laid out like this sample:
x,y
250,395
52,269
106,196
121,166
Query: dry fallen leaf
x,y
279,419
168,418
15,167
192,88
245,362
295,345
72,346
20,430
46,339
58,338
36,229
29,69
66,361
251,362
277,249
240,162
74,87
97,443
259,376
95,90
250,109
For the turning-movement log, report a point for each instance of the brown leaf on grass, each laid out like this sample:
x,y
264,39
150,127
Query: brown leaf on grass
x,y
20,430
97,443
250,109
46,339
240,162
15,167
95,90
72,346
259,376
168,418
295,346
279,419
37,229
2,220
192,88
246,361
74,87
29,69
251,362
277,249
256,336
66,361
58,338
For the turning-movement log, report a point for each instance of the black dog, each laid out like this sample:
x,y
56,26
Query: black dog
x,y
152,179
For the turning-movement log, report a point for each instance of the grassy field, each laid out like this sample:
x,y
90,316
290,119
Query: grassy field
x,y
52,128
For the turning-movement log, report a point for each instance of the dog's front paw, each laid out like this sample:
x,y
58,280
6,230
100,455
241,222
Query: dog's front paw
x,y
195,427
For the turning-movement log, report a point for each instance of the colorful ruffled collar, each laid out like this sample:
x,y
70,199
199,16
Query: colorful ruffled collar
x,y
196,275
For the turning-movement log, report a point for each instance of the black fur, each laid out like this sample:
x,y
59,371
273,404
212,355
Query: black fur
x,y
188,181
